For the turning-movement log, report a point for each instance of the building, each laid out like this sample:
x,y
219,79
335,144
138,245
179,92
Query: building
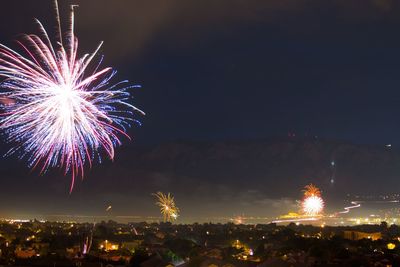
x,y
357,235
108,245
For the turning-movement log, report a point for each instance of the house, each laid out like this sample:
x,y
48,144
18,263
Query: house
x,y
357,235
25,253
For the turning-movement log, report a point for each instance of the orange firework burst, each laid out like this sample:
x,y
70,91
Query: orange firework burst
x,y
311,190
312,203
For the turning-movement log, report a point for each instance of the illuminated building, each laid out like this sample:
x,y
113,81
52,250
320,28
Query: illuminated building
x,y
357,235
108,245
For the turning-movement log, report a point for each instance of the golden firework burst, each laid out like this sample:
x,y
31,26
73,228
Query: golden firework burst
x,y
168,208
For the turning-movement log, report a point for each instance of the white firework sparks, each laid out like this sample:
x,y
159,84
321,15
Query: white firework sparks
x,y
54,113
312,205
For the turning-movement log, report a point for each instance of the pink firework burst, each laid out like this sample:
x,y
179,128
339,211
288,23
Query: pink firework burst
x,y
55,114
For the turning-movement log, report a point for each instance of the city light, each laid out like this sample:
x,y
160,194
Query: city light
x,y
391,246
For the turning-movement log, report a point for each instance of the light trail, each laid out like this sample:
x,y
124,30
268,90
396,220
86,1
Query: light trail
x,y
357,204
296,220
380,201
347,209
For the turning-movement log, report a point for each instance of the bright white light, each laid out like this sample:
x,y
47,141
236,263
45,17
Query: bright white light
x,y
313,205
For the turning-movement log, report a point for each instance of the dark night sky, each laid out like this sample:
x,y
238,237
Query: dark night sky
x,y
222,70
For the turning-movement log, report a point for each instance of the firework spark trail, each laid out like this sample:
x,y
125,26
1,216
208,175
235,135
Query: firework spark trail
x,y
55,114
167,205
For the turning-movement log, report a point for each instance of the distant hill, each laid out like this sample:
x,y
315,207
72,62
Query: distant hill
x,y
260,178
277,167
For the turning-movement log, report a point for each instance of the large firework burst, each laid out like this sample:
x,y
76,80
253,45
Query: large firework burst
x,y
57,110
312,203
167,205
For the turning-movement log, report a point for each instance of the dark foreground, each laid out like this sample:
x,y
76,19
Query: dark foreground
x,y
224,245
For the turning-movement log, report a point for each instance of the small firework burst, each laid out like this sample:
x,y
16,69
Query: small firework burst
x,y
168,208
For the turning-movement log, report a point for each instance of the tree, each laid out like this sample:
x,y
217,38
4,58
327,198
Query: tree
x,y
138,257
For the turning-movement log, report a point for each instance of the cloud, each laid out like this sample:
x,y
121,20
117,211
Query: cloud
x,y
129,27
